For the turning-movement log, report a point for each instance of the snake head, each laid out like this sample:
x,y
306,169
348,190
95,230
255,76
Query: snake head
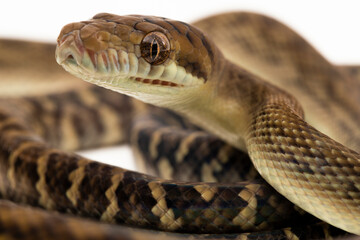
x,y
150,58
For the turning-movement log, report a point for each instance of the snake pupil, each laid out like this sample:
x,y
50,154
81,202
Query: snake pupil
x,y
155,48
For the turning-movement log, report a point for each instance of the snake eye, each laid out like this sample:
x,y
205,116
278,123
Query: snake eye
x,y
155,48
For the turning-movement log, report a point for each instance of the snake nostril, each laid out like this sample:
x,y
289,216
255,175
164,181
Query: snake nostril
x,y
70,59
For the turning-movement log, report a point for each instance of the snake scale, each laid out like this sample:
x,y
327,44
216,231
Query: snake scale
x,y
225,74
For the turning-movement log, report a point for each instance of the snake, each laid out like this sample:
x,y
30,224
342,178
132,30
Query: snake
x,y
236,92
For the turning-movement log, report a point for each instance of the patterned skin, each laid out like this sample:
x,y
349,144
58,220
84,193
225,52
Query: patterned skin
x,y
69,183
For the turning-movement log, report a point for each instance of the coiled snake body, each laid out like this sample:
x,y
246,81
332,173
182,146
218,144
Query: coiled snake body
x,y
231,89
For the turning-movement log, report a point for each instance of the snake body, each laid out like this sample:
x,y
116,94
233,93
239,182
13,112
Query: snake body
x,y
220,88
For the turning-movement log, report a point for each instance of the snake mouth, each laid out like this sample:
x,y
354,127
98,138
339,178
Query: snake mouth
x,y
117,64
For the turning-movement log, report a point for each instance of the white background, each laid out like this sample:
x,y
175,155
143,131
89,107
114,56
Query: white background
x,y
333,27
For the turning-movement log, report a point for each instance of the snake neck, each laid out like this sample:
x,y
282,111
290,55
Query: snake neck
x,y
226,105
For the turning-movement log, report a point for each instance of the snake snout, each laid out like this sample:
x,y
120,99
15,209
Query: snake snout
x,y
65,50
70,51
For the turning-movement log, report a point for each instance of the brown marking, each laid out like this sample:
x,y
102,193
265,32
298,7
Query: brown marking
x,y
125,61
115,61
105,59
156,82
92,56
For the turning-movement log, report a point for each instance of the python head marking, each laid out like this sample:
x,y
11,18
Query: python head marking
x,y
145,57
